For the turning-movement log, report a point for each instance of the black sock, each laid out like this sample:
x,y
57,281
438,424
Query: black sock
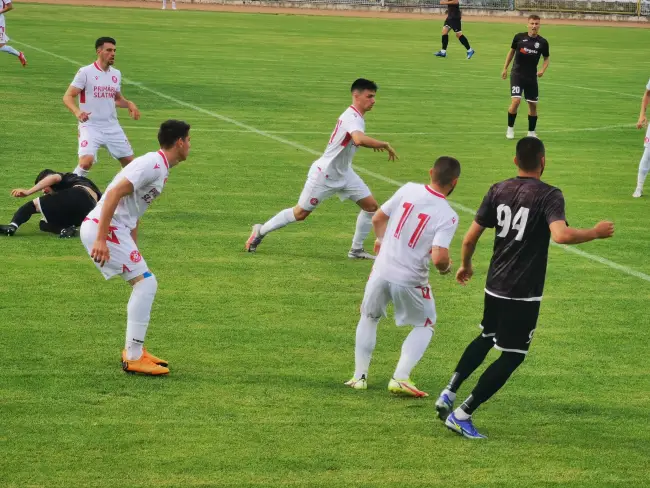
x,y
463,40
532,122
24,213
445,41
471,359
511,119
491,381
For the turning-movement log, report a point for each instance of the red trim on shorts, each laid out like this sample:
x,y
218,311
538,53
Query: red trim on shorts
x,y
164,158
434,192
352,107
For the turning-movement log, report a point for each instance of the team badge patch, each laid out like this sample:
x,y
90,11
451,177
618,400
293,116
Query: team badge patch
x,y
114,79
84,143
314,201
135,257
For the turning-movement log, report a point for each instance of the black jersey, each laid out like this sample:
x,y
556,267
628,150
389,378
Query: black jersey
x,y
453,11
528,50
68,180
521,210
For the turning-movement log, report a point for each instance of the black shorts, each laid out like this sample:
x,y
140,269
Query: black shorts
x,y
524,87
510,323
67,207
453,24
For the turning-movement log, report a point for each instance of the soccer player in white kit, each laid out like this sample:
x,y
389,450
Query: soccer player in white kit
x,y
332,174
644,165
165,4
99,89
413,228
6,6
109,234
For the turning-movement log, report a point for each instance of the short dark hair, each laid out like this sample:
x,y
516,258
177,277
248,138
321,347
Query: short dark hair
x,y
103,40
43,174
445,170
171,131
533,17
529,153
362,84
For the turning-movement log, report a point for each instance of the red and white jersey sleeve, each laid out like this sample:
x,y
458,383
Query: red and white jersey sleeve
x,y
336,161
647,87
419,218
98,91
148,175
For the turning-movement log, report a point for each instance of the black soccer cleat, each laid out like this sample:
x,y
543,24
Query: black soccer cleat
x,y
8,230
68,232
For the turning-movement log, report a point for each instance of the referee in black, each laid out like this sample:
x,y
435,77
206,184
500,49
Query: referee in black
x,y
67,199
526,49
453,22
525,213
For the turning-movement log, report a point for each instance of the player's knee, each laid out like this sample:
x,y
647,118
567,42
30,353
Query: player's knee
x,y
513,359
126,160
86,162
459,34
300,213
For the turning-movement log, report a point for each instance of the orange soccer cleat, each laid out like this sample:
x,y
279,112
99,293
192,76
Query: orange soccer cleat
x,y
147,355
145,365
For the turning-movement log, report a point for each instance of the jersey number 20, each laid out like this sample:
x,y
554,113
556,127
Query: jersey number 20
x,y
504,220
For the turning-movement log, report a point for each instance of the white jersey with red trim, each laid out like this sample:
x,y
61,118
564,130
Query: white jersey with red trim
x,y
336,161
420,218
148,175
646,141
98,90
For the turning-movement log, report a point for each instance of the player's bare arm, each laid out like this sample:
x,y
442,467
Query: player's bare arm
x,y
379,224
7,8
44,183
441,260
563,234
465,272
509,58
362,140
541,72
643,121
69,100
99,252
122,102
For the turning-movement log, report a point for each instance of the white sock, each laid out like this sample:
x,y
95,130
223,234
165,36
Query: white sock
x,y
10,50
79,171
364,225
364,345
644,167
460,414
412,351
280,220
138,315
443,50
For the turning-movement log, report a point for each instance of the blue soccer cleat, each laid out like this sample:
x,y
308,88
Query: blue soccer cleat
x,y
441,54
463,427
444,406
470,53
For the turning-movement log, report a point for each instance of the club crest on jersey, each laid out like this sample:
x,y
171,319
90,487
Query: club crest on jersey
x,y
115,77
135,257
646,140
84,143
314,201
536,45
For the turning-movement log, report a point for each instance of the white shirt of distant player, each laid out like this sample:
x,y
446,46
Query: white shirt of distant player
x,y
420,218
3,4
148,175
98,90
646,141
336,161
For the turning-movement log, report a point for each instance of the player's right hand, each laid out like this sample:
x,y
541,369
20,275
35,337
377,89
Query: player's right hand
x,y
604,229
100,252
377,246
504,74
83,116
19,193
463,275
643,121
392,155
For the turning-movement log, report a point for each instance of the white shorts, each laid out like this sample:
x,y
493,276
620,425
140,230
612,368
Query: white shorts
x,y
412,305
91,138
4,38
125,258
317,189
646,141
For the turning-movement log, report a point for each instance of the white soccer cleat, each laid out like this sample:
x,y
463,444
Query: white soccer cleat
x,y
638,193
510,133
405,387
359,254
532,133
357,384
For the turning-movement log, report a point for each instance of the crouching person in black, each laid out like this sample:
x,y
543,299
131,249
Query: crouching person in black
x,y
67,200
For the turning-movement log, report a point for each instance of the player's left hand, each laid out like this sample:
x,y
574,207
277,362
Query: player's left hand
x,y
540,74
19,193
133,111
643,121
377,246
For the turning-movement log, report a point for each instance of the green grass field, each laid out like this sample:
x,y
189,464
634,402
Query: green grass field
x,y
260,345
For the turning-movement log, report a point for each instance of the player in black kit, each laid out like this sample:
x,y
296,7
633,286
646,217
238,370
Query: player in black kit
x,y
68,199
453,22
525,212
526,49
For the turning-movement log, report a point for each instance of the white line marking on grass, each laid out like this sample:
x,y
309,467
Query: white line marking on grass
x,y
287,142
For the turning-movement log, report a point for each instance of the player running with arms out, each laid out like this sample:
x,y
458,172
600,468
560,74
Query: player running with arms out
x,y
99,88
413,228
525,213
6,6
109,235
526,49
644,165
332,174
453,22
